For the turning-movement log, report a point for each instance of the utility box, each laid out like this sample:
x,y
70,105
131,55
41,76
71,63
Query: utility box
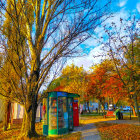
x,y
59,113
75,114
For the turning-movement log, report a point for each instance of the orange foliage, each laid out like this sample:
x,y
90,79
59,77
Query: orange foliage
x,y
60,88
104,83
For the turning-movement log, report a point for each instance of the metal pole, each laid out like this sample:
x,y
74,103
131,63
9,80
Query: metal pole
x,y
130,113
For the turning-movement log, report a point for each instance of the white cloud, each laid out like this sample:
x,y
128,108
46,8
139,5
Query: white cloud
x,y
122,3
88,60
138,7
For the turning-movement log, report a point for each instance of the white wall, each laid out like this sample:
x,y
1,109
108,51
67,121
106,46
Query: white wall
x,y
19,111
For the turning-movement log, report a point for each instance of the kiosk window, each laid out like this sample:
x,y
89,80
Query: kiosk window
x,y
62,112
52,113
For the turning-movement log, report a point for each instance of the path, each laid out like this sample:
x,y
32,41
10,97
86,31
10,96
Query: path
x,y
89,132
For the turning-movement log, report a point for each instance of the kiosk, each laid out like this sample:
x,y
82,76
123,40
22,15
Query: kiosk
x,y
60,112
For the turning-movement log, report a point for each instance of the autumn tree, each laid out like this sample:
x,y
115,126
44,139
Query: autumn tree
x,y
72,79
7,92
113,88
123,44
38,35
97,81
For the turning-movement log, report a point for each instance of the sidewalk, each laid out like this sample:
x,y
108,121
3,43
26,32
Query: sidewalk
x,y
89,132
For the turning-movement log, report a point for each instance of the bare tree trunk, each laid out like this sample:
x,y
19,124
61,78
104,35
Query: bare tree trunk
x,y
5,122
137,108
88,106
34,109
103,109
28,125
99,107
85,107
133,110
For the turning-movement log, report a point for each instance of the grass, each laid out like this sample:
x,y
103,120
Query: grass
x,y
128,118
111,131
91,114
93,119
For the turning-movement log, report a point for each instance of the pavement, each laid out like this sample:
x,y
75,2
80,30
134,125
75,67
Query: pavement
x,y
89,132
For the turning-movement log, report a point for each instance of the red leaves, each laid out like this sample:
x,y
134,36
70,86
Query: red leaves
x,y
104,82
60,88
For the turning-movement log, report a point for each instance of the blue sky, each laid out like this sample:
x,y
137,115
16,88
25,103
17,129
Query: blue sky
x,y
122,9
129,5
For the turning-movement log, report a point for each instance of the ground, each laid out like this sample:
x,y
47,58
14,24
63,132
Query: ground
x,y
114,131
14,131
91,127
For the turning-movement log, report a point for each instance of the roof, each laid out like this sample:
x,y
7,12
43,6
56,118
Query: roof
x,y
66,93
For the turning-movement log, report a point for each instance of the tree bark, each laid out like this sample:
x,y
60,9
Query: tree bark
x,y
28,125
103,109
88,106
5,122
99,107
133,110
137,108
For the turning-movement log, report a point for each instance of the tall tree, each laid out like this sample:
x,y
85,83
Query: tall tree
x,y
123,44
38,34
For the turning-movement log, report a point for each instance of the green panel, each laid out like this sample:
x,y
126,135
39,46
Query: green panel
x,y
45,130
62,131
62,113
70,114
53,132
73,95
52,94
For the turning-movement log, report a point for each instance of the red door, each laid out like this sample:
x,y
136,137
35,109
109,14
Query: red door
x,y
75,114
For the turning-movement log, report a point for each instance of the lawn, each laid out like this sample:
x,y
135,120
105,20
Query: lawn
x,y
14,132
87,119
110,131
92,114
